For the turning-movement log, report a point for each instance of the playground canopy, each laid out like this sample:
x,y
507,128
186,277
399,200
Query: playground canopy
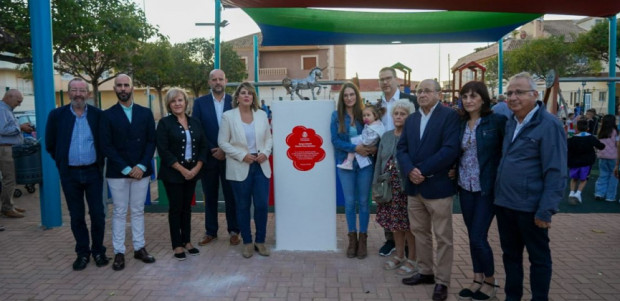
x,y
292,22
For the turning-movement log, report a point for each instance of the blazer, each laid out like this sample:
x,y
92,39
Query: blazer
x,y
231,140
58,133
204,111
387,149
127,144
433,155
171,147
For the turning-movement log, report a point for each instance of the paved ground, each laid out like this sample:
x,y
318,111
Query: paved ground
x,y
35,264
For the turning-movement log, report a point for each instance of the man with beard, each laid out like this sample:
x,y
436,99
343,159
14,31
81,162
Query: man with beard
x,y
209,109
72,140
391,93
10,134
128,141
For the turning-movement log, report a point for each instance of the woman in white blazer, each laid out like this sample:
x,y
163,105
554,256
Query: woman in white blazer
x,y
245,137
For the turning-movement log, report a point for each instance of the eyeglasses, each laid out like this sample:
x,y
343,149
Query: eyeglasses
x,y
425,91
518,93
78,90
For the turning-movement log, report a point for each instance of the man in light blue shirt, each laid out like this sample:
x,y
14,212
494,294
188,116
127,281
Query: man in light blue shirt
x,y
10,134
501,107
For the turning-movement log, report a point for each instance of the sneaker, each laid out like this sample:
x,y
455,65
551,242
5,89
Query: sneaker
x,y
348,165
572,199
610,200
578,196
387,248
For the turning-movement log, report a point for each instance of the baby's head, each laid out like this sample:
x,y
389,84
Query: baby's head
x,y
372,113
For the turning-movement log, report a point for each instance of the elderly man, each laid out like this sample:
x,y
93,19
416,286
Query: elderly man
x,y
428,148
530,184
128,141
10,134
209,109
72,140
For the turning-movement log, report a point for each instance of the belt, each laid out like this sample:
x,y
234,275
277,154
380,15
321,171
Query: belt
x,y
6,144
83,166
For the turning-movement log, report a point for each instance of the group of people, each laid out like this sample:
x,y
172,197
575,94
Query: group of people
x,y
510,167
227,140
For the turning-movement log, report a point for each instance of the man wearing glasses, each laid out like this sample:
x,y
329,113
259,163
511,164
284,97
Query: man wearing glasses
x,y
391,93
72,140
427,149
531,179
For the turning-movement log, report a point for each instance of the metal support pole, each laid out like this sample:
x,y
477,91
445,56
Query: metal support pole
x,y
45,101
255,40
218,21
500,66
611,102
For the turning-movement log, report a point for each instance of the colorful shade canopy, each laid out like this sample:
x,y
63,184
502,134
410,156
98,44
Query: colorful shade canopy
x,y
592,8
307,26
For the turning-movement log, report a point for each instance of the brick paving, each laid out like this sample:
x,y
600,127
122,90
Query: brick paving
x,y
35,264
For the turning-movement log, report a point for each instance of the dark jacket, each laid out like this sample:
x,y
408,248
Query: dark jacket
x,y
204,112
489,137
532,173
127,144
412,98
58,133
581,150
434,155
171,147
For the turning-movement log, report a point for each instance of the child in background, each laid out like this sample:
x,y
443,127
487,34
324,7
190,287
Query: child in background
x,y
607,183
581,156
372,132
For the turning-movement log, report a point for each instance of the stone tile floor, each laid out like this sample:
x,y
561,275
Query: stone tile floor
x,y
35,264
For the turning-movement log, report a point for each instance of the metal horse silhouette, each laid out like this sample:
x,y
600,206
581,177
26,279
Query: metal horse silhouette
x,y
310,82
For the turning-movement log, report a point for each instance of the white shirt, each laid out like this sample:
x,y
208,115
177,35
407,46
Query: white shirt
x,y
425,118
527,119
219,108
387,120
250,136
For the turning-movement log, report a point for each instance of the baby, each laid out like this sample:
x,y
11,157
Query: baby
x,y
372,132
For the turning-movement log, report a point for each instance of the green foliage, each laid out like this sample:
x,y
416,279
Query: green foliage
x,y
540,55
594,44
154,65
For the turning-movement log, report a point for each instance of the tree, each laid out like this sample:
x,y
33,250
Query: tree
x,y
90,37
153,65
594,44
540,55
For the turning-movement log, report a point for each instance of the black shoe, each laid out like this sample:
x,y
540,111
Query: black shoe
x,y
466,293
180,256
1,228
143,255
419,279
440,292
119,262
101,260
80,263
193,251
387,248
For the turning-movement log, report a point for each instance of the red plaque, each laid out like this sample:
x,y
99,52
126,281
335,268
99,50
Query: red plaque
x,y
304,148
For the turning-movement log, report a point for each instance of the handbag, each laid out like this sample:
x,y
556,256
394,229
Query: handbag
x,y
381,190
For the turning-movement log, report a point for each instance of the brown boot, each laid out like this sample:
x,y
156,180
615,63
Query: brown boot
x,y
352,248
361,246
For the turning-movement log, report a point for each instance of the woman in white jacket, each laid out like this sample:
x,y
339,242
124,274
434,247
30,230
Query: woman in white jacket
x,y
245,137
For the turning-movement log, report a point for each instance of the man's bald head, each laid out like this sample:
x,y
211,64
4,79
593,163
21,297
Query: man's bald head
x,y
13,98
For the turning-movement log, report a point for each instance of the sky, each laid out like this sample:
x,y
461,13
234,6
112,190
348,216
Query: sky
x,y
426,60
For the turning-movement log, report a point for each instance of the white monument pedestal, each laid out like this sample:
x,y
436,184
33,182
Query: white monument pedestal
x,y
304,175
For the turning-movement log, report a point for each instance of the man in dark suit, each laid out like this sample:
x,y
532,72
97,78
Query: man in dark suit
x,y
72,139
388,81
209,109
128,142
428,148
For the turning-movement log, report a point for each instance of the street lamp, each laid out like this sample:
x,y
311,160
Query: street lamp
x,y
218,24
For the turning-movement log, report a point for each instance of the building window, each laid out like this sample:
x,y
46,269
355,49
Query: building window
x,y
602,95
309,61
244,60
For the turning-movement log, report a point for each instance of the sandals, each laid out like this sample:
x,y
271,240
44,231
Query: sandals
x,y
467,294
407,268
480,296
393,263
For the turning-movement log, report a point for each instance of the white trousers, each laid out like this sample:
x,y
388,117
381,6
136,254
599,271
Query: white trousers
x,y
128,193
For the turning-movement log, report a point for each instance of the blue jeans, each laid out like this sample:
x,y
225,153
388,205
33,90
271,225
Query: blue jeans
x,y
516,231
255,188
607,183
80,183
478,214
355,188
211,178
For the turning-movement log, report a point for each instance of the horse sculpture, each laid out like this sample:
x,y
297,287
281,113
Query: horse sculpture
x,y
309,82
